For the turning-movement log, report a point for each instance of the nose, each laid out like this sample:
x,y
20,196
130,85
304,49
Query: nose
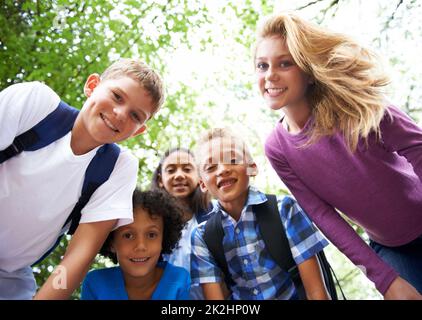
x,y
271,74
120,113
140,244
179,175
223,169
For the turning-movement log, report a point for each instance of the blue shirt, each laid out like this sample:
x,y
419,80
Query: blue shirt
x,y
108,284
256,275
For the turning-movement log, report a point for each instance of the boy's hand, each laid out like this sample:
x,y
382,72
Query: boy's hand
x,y
82,249
400,289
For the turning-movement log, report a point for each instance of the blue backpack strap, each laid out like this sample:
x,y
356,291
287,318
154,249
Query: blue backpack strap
x,y
98,172
43,133
53,127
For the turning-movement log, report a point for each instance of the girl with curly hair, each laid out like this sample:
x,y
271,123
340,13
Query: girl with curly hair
x,y
138,248
341,146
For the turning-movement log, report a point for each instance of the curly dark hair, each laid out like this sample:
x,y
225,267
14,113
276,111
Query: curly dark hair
x,y
156,203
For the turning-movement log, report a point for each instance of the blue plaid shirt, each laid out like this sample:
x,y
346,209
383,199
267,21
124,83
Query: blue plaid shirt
x,y
256,275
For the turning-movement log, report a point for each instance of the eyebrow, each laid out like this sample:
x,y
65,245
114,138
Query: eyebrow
x,y
228,154
183,164
287,55
123,93
208,161
153,226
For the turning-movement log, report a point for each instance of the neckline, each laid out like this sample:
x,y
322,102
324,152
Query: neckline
x,y
301,134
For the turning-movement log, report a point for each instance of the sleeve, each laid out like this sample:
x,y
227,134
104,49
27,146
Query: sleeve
x,y
86,292
399,133
113,199
334,227
22,106
204,269
304,239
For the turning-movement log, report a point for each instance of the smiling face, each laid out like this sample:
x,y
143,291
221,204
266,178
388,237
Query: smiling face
x,y
281,82
225,169
179,175
116,109
138,245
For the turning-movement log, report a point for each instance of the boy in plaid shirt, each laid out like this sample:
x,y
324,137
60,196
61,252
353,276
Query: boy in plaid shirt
x,y
225,166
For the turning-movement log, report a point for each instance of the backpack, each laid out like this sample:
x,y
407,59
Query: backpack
x,y
274,237
53,127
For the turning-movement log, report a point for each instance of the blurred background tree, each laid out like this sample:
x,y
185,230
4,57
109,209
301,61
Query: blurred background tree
x,y
204,52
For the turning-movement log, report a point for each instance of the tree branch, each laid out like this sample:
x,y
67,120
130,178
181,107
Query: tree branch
x,y
392,16
309,4
333,4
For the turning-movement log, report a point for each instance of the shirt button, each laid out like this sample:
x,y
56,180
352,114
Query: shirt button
x,y
237,230
255,291
245,261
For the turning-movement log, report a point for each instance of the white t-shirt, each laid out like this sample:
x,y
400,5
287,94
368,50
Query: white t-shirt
x,y
39,189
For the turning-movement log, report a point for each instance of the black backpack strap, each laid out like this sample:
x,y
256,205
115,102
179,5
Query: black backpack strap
x,y
19,144
282,254
43,133
213,237
274,236
270,224
326,272
204,215
98,172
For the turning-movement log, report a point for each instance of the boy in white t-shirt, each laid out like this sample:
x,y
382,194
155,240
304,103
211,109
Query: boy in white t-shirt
x,y
39,189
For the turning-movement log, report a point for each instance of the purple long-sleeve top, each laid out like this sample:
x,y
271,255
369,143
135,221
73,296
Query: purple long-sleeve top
x,y
378,187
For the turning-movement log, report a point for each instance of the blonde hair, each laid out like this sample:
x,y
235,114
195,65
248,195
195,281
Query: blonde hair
x,y
141,72
223,133
347,91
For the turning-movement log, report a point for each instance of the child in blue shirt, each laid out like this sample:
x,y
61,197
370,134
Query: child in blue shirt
x,y
225,166
138,248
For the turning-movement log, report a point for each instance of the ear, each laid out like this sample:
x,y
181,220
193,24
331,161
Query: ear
x,y
202,186
160,182
112,248
91,83
252,169
141,130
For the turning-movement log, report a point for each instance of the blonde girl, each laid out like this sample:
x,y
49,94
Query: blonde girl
x,y
341,146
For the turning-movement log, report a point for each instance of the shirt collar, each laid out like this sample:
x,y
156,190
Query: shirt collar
x,y
254,197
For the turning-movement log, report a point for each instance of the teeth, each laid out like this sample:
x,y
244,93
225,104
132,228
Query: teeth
x,y
226,183
139,259
275,90
109,124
